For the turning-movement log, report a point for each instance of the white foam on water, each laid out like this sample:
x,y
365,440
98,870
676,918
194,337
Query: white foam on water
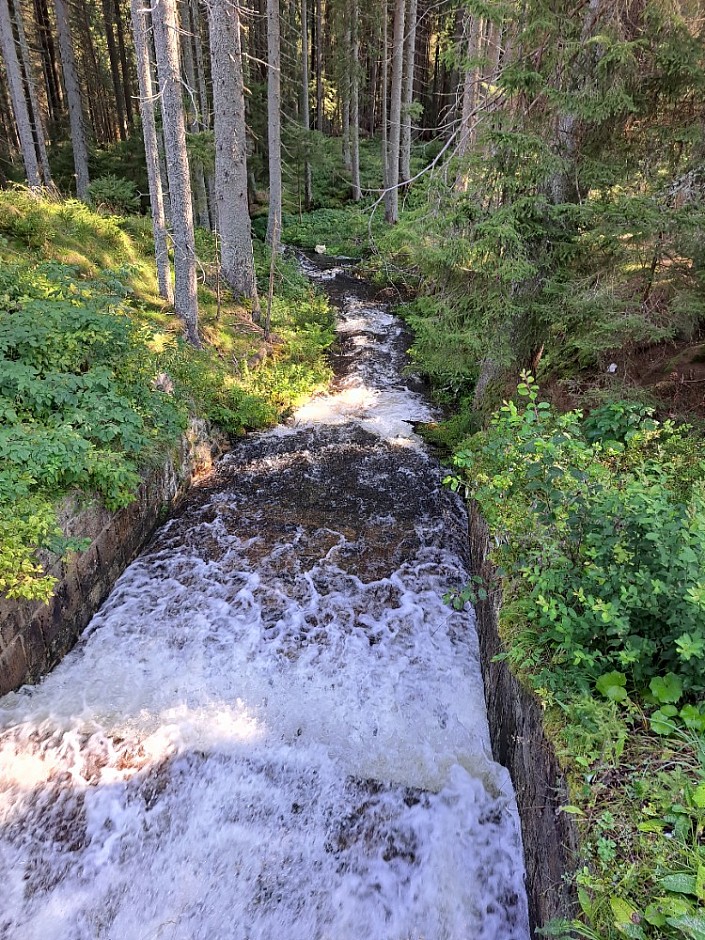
x,y
261,738
372,392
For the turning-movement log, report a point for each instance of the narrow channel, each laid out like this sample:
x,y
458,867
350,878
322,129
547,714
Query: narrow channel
x,y
274,728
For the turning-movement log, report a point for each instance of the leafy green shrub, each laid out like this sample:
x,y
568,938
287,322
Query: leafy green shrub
x,y
618,421
77,410
603,540
79,405
342,231
202,380
115,195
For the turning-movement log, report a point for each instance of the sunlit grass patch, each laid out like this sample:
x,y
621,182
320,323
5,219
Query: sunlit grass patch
x,y
84,335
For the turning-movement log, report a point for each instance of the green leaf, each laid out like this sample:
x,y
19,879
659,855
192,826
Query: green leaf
x,y
670,711
586,902
692,718
692,925
699,796
654,915
680,884
666,689
626,917
675,906
612,686
700,882
661,723
573,810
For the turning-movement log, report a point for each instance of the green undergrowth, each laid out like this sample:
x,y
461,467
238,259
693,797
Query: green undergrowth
x,y
341,231
598,534
96,381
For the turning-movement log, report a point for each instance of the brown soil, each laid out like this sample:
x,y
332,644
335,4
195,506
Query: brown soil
x,y
672,374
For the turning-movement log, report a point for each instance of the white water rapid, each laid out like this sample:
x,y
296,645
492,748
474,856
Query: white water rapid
x,y
274,729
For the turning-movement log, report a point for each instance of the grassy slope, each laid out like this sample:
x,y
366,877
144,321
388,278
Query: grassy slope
x,y
84,334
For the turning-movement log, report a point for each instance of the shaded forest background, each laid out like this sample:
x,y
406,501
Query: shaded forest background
x,y
554,151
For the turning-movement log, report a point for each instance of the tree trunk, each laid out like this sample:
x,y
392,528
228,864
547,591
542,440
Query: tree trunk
x,y
408,92
433,107
9,139
103,124
193,121
114,66
164,174
345,90
35,111
124,67
319,65
274,119
373,72
166,43
197,41
562,186
49,63
385,95
355,103
17,96
204,113
73,95
230,149
468,120
151,148
391,201
305,110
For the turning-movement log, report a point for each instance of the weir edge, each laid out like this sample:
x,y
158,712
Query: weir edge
x,y
35,636
520,743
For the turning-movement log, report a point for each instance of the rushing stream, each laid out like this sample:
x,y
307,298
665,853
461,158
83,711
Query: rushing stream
x,y
274,728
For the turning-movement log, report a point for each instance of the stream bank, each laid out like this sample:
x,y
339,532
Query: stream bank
x,y
35,636
519,742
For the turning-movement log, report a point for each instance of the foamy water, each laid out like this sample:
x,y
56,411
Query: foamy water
x,y
274,729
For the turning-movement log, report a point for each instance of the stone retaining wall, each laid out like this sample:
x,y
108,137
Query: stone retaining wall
x,y
520,744
34,636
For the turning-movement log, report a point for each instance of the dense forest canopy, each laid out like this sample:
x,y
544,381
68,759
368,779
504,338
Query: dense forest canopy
x,y
546,148
528,176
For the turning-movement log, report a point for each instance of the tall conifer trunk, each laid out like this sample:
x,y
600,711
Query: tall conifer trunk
x,y
469,99
9,140
124,65
193,117
345,89
108,6
26,65
230,149
274,99
103,120
151,148
49,60
408,91
319,65
355,103
73,94
166,44
385,95
305,109
391,201
17,97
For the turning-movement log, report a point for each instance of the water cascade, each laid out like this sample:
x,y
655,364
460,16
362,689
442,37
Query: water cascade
x,y
274,729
